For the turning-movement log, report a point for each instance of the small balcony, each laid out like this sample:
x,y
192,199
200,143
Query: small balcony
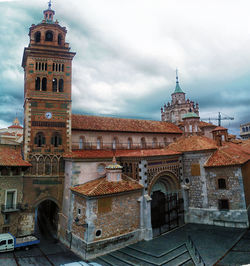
x,y
11,208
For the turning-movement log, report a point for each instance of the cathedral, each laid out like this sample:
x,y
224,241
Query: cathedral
x,y
101,183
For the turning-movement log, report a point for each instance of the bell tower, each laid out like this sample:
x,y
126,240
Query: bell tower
x,y
47,63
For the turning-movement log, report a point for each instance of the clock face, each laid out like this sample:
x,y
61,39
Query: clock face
x,y
48,115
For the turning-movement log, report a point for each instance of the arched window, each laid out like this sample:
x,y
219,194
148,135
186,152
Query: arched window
x,y
222,183
62,67
34,166
54,85
40,166
56,67
56,140
47,166
42,66
59,67
143,143
165,141
46,66
190,128
61,165
60,85
130,143
154,143
36,66
40,139
38,83
49,36
54,166
53,66
38,36
81,142
114,143
44,84
99,143
59,39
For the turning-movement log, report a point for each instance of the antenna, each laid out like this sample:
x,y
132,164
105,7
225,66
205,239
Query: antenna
x,y
177,81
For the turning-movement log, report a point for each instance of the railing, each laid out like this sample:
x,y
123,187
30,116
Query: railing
x,y
11,207
195,250
117,146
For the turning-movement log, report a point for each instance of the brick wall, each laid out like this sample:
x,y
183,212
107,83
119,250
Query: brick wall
x,y
233,191
122,218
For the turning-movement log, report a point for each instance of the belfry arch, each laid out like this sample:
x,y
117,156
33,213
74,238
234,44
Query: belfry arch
x,y
167,210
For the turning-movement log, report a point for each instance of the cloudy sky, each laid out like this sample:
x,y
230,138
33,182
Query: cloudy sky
x,y
127,53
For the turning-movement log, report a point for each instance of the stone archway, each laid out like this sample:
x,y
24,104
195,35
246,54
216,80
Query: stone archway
x,y
167,210
46,218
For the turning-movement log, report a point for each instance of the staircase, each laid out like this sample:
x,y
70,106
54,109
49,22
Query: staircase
x,y
133,256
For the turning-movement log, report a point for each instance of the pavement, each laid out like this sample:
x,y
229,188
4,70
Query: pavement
x,y
216,245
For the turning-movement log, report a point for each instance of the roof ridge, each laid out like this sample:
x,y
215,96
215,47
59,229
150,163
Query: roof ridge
x,y
140,119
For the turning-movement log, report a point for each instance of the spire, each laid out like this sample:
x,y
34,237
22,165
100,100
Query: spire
x,y
49,4
49,13
177,87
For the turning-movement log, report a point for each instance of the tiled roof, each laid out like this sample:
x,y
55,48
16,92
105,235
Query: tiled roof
x,y
15,126
101,186
11,157
99,123
193,143
91,154
205,124
219,128
230,154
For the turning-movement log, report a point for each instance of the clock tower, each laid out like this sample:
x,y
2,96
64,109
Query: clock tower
x,y
47,63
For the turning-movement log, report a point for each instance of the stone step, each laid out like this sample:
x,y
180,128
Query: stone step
x,y
180,260
153,254
113,261
130,259
190,262
168,256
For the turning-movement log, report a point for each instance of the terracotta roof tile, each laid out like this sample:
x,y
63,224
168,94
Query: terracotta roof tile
x,y
91,154
86,122
101,186
230,154
15,126
193,143
219,128
205,124
11,157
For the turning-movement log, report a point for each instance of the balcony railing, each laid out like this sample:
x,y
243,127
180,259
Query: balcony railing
x,y
11,208
117,146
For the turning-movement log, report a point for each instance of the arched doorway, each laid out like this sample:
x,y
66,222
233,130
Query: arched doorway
x,y
46,219
167,210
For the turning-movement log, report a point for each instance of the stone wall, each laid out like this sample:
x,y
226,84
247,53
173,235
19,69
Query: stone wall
x,y
109,227
9,221
194,177
204,193
246,181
